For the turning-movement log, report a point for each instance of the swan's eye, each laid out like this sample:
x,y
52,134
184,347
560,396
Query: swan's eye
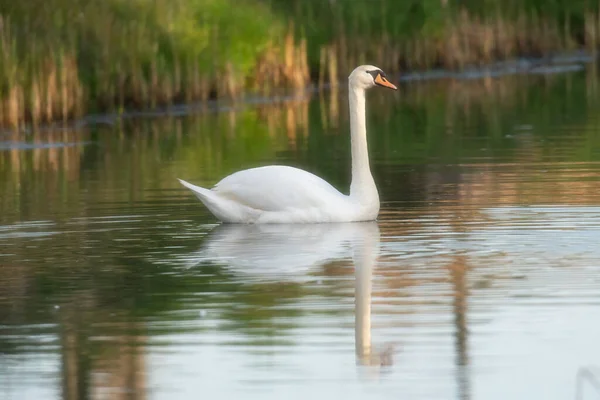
x,y
375,73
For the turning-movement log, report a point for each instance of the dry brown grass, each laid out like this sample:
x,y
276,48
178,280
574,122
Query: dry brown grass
x,y
54,85
467,40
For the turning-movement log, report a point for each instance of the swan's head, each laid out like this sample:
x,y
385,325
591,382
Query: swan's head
x,y
367,76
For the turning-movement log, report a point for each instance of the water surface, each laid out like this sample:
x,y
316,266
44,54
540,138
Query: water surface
x,y
479,281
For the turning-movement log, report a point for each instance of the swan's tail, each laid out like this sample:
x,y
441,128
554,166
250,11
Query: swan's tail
x,y
206,196
221,208
224,209
200,192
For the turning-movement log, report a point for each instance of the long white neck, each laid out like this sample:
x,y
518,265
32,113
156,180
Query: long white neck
x,y
363,186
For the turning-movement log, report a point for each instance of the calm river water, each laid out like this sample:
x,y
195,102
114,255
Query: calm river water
x,y
481,279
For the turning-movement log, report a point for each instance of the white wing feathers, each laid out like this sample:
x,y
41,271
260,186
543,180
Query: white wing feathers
x,y
277,188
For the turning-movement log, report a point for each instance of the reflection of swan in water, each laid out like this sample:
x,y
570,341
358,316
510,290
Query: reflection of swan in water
x,y
590,375
364,258
280,251
290,251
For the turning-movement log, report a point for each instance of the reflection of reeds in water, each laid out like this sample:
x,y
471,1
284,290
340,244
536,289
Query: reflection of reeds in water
x,y
122,375
117,371
462,96
131,148
330,110
134,149
458,273
51,159
531,183
52,151
591,78
15,279
587,376
290,117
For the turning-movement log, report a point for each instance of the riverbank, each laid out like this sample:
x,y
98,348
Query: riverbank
x,y
61,59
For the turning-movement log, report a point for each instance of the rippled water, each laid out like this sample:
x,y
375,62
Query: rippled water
x,y
479,281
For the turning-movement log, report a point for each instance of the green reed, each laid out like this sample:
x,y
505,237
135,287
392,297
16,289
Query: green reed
x,y
60,59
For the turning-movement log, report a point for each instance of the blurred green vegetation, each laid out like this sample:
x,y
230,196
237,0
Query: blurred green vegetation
x,y
61,55
63,58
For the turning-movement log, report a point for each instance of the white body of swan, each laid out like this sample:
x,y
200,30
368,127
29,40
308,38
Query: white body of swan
x,y
281,194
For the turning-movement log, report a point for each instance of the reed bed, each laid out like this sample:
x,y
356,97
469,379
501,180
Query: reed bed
x,y
60,59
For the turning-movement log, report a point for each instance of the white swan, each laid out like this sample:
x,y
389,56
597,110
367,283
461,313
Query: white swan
x,y
281,194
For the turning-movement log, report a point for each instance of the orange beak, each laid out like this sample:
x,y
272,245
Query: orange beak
x,y
382,81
